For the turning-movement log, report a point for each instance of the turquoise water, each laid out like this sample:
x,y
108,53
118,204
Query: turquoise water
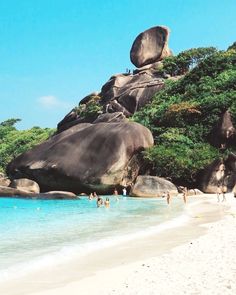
x,y
35,233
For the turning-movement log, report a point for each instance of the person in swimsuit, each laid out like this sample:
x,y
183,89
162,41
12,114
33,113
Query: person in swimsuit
x,y
107,203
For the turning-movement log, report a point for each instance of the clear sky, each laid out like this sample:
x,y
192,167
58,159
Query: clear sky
x,y
54,52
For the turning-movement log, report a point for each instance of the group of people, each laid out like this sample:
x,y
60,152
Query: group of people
x,y
168,196
106,203
99,199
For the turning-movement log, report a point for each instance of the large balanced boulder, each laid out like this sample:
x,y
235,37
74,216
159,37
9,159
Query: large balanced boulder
x,y
150,46
86,157
25,184
128,92
152,187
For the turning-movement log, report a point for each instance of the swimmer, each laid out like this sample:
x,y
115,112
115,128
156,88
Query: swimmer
x,y
115,192
90,196
99,201
107,203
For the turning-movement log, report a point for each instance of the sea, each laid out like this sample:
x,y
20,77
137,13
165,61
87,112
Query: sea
x,y
38,233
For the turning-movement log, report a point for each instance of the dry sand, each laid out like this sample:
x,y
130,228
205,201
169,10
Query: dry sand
x,y
196,258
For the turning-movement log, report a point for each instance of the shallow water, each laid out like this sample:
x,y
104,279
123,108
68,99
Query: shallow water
x,y
35,233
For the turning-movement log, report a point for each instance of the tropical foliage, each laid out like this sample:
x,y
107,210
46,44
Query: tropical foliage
x,y
13,142
91,109
183,114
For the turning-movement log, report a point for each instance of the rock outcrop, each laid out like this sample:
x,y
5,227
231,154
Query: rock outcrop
x,y
123,95
152,187
25,184
84,158
58,195
150,46
54,195
4,181
219,173
128,93
223,134
111,118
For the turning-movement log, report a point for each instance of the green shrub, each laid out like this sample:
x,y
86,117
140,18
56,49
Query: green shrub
x,y
180,161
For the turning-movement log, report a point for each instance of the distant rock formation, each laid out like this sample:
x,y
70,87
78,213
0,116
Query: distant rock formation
x,y
152,187
85,158
128,92
150,46
219,173
53,195
224,132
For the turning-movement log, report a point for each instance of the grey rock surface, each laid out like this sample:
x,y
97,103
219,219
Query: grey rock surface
x,y
127,94
25,184
150,46
84,158
152,187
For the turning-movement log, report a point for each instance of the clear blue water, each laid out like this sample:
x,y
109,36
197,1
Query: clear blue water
x,y
32,231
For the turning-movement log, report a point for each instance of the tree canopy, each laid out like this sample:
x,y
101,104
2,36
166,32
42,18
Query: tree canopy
x,y
13,142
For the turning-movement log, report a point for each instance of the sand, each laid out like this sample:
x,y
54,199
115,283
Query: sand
x,y
198,257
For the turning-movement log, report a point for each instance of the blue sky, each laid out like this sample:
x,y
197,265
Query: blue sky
x,y
54,52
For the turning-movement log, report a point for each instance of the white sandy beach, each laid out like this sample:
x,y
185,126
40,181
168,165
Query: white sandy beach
x,y
196,258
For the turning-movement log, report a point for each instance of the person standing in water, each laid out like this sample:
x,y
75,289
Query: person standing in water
x,y
124,191
107,203
99,201
185,191
168,198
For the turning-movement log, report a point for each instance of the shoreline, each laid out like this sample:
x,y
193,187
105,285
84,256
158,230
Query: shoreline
x,y
93,268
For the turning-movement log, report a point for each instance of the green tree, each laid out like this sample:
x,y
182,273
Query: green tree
x,y
13,142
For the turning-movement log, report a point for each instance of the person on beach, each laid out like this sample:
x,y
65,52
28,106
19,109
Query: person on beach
x,y
185,192
168,198
221,190
218,192
99,201
107,203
